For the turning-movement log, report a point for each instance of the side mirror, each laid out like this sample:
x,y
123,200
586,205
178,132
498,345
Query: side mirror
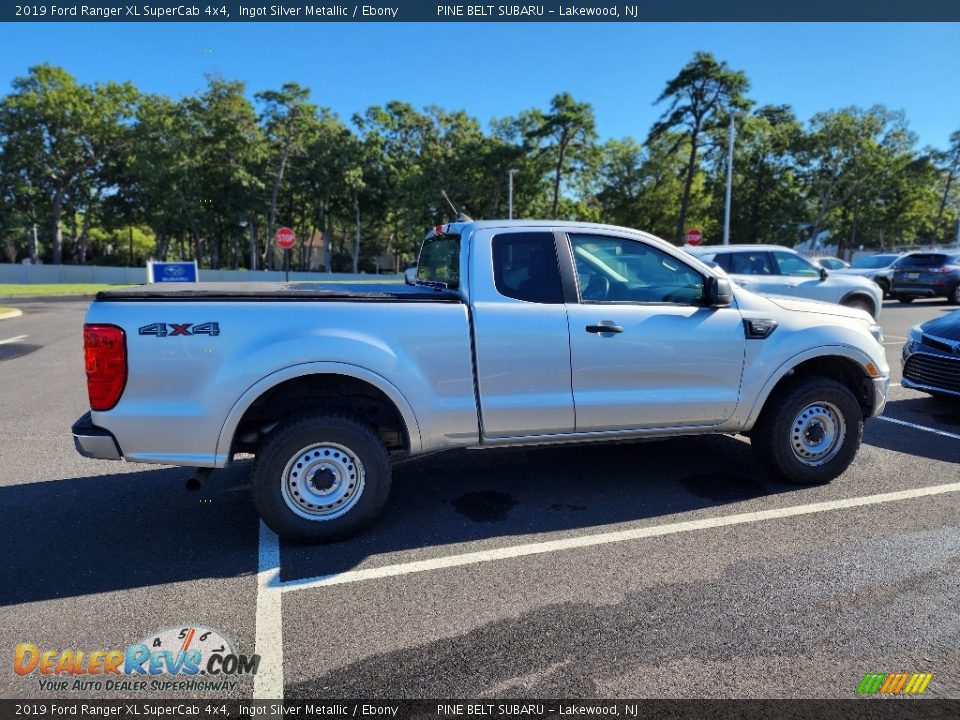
x,y
823,274
719,292
410,275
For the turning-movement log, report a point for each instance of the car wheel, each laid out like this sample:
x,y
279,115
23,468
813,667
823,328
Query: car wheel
x,y
859,303
884,288
809,430
954,298
321,477
905,299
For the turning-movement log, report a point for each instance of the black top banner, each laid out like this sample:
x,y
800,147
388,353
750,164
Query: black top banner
x,y
436,11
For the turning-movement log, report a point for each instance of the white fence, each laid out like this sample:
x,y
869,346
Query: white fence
x,y
33,274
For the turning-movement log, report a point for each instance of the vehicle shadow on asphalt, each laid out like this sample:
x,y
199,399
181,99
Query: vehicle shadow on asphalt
x,y
70,537
467,496
934,413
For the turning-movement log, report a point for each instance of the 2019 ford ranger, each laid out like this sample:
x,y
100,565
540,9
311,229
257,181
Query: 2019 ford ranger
x,y
516,332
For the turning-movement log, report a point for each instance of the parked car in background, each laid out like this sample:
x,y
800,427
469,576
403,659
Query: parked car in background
x,y
830,263
878,268
774,270
927,275
931,356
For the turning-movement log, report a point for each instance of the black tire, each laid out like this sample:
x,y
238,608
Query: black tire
x,y
340,433
954,297
905,299
859,303
774,434
884,288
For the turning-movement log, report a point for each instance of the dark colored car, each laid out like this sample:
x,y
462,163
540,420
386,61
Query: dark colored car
x,y
927,275
931,356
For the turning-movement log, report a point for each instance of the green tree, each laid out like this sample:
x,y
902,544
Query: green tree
x,y
566,136
699,98
58,136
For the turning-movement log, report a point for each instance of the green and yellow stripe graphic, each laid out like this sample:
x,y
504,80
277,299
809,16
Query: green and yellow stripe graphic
x,y
894,683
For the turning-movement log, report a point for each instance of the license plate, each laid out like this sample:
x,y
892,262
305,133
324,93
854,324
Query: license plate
x,y
913,276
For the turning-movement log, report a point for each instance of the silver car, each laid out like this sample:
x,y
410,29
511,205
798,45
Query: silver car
x,y
775,270
878,268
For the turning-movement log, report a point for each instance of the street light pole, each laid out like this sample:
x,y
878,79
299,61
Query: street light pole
x,y
510,194
726,205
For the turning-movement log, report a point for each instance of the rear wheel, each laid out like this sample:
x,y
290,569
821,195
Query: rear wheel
x,y
954,297
904,299
809,430
884,288
321,477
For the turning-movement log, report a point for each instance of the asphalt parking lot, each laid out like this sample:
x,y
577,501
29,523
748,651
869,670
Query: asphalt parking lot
x,y
664,569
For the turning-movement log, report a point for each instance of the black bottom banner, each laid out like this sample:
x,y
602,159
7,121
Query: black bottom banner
x,y
854,709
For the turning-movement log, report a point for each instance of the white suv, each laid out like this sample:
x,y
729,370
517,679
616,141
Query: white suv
x,y
775,270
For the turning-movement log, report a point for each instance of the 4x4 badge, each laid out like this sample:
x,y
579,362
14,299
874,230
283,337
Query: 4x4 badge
x,y
174,329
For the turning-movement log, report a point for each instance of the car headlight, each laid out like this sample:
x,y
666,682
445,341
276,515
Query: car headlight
x,y
913,338
877,333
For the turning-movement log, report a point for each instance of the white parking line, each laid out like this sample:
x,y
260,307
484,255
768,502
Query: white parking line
x,y
18,338
268,682
920,427
584,541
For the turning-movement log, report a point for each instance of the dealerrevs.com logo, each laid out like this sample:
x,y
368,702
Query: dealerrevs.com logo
x,y
184,658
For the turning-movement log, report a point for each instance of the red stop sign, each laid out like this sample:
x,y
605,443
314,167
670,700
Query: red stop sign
x,y
285,238
694,237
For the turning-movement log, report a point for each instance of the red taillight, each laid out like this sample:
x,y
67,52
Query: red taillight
x,y
105,356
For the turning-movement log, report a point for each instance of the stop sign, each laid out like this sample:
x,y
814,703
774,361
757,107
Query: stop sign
x,y
694,237
285,238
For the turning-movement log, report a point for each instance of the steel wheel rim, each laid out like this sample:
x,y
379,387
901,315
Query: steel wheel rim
x,y
323,481
817,433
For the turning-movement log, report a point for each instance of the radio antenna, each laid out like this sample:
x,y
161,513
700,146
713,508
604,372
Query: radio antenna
x,y
459,215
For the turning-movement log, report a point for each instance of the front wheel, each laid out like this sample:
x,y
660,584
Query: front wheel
x,y
809,430
321,477
905,299
859,303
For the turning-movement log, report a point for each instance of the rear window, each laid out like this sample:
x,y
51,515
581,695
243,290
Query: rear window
x,y
525,267
922,260
873,262
440,260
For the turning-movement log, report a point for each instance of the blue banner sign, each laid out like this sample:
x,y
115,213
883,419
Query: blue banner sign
x,y
158,272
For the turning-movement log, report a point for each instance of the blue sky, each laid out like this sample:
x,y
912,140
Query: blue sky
x,y
497,69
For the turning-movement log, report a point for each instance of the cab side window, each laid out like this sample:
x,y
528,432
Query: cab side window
x,y
755,262
525,267
621,270
795,265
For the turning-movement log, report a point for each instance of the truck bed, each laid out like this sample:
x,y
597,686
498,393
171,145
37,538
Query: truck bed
x,y
278,292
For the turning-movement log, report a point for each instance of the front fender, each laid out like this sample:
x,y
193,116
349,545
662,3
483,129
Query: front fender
x,y
845,351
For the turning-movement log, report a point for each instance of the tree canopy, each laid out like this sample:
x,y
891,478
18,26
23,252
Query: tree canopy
x,y
92,173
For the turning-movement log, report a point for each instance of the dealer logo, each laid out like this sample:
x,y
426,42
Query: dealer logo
x,y
186,651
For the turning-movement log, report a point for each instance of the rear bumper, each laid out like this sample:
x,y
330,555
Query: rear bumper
x,y
919,290
94,442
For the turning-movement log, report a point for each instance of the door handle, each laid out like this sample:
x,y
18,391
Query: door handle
x,y
605,326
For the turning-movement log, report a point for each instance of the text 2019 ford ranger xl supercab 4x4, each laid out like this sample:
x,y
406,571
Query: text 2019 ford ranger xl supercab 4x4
x,y
516,332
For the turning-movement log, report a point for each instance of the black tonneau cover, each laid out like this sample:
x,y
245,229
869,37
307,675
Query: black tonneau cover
x,y
279,292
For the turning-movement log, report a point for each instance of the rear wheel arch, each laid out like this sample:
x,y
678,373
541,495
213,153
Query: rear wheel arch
x,y
332,387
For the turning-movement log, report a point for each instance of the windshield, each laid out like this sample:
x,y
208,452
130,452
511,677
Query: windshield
x,y
874,261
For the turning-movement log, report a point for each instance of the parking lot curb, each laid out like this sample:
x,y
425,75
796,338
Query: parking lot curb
x,y
7,313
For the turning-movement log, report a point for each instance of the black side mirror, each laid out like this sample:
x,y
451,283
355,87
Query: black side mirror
x,y
719,292
823,273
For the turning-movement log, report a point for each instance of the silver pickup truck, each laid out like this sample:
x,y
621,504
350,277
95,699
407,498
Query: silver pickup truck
x,y
514,333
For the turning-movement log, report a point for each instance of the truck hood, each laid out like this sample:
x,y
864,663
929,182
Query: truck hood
x,y
821,308
862,272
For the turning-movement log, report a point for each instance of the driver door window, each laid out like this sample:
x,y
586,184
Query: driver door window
x,y
620,270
